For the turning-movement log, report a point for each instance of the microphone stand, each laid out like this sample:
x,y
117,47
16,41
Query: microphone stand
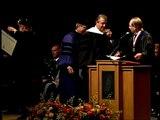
x,y
115,49
122,37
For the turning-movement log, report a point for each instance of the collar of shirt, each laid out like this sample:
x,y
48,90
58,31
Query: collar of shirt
x,y
56,59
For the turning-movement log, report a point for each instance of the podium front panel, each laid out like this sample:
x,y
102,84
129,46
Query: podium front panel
x,y
93,82
108,82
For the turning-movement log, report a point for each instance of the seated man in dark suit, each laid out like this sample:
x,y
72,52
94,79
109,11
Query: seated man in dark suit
x,y
51,74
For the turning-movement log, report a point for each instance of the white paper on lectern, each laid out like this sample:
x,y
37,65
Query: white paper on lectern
x,y
8,43
113,57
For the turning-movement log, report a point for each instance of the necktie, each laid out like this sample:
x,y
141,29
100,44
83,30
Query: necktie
x,y
134,37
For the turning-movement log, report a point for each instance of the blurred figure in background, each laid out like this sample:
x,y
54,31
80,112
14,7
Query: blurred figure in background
x,y
155,83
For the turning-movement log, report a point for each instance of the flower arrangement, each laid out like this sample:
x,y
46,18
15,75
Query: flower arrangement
x,y
54,110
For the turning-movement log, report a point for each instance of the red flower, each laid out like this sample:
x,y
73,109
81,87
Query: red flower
x,y
56,110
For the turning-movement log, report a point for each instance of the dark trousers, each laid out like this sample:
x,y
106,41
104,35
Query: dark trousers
x,y
83,84
66,86
49,91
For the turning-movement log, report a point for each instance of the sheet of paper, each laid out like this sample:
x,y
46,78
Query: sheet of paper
x,y
113,57
8,43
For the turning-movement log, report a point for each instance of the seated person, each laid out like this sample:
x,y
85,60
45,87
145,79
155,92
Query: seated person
x,y
50,77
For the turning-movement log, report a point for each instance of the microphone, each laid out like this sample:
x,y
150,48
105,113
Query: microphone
x,y
114,50
127,33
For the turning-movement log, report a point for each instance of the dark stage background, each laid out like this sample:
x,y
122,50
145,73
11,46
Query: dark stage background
x,y
53,19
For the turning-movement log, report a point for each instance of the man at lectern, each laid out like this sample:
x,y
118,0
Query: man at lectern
x,y
139,46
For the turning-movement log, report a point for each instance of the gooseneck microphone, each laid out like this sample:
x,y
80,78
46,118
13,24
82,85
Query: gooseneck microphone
x,y
114,50
127,33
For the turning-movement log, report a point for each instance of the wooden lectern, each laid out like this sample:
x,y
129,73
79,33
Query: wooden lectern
x,y
126,84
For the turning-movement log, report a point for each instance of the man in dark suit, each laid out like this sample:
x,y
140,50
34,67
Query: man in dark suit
x,y
138,47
